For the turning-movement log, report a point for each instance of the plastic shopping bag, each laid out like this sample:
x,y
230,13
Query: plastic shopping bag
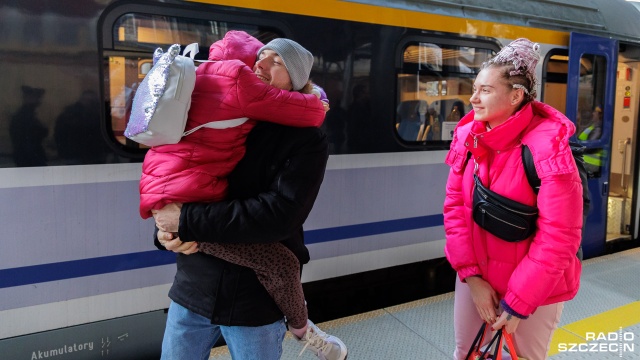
x,y
499,348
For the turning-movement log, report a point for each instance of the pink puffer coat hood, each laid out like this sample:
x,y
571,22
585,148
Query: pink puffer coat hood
x,y
236,45
537,271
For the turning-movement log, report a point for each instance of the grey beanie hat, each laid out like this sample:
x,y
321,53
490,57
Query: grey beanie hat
x,y
296,58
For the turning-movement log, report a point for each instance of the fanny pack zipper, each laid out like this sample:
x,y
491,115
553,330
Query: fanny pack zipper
x,y
484,212
485,196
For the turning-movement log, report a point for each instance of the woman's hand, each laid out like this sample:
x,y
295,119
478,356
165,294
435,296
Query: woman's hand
x,y
484,297
176,245
509,322
168,218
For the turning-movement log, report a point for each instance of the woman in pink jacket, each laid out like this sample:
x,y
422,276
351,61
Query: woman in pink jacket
x,y
520,285
195,169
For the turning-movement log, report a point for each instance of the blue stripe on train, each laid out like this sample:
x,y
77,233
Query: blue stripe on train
x,y
374,228
109,264
85,267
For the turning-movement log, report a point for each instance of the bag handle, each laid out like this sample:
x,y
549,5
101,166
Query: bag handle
x,y
497,353
192,50
477,342
502,337
509,340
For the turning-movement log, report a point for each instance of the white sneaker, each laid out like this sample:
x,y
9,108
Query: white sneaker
x,y
324,346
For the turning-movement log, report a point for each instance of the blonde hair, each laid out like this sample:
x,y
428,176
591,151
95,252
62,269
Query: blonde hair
x,y
306,89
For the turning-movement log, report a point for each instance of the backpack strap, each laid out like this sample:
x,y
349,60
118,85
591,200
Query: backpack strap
x,y
577,151
530,169
191,50
223,124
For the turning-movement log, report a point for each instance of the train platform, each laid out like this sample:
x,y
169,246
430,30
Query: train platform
x,y
602,322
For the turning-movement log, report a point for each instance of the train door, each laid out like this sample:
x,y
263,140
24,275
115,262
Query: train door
x,y
591,86
624,171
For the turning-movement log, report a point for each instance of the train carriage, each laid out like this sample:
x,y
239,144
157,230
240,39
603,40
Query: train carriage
x,y
79,275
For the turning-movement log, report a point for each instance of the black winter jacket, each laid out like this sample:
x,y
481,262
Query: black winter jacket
x,y
271,192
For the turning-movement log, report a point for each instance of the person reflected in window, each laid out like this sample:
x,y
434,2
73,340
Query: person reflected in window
x,y
359,128
27,131
77,133
457,112
593,130
435,120
593,158
521,286
411,119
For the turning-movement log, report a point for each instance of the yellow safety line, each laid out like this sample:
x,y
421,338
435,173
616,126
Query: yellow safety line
x,y
610,321
336,9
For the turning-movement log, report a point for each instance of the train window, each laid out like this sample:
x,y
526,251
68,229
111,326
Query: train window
x,y
434,87
554,79
590,94
591,91
135,38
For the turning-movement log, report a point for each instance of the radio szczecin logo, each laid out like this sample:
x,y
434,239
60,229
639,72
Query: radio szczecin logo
x,y
621,342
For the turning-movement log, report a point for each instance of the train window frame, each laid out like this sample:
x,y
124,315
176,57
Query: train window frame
x,y
554,78
419,108
110,48
590,99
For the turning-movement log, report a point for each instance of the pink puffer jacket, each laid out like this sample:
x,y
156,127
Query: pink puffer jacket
x,y
537,271
195,169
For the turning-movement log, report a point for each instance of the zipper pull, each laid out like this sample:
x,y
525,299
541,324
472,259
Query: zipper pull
x,y
475,142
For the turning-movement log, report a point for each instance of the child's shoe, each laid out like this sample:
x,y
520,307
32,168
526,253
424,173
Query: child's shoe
x,y
324,346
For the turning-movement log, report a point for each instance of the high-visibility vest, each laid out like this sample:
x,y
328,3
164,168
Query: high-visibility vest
x,y
584,135
594,158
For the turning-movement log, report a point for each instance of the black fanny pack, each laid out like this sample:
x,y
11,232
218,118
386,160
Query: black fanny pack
x,y
505,218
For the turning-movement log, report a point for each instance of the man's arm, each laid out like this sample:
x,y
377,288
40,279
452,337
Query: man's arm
x,y
271,215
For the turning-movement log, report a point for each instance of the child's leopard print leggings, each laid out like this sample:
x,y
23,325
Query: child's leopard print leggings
x,y
278,270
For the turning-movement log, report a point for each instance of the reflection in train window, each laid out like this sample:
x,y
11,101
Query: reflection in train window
x,y
136,36
434,87
591,91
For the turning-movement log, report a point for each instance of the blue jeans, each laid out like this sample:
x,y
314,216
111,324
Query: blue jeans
x,y
188,335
